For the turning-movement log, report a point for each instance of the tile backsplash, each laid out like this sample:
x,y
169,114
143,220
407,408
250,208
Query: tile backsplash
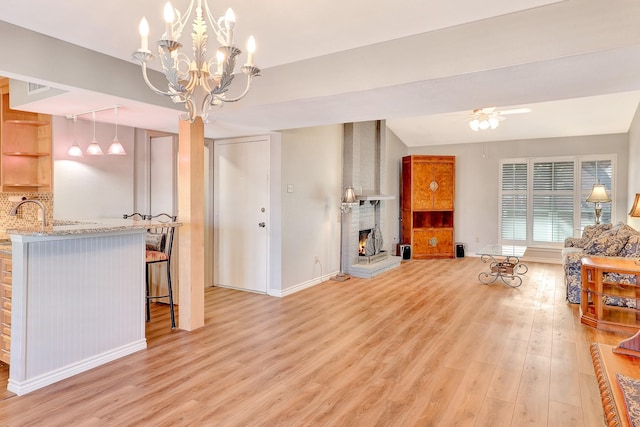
x,y
27,214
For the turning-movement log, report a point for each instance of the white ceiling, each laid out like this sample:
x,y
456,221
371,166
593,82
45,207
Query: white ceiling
x,y
422,65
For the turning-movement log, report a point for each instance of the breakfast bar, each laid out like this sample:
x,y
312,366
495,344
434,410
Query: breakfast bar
x,y
78,298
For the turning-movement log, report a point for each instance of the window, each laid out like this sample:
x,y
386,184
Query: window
x,y
514,201
595,172
552,201
542,200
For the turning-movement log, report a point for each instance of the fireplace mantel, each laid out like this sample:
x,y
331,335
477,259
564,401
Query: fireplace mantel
x,y
374,198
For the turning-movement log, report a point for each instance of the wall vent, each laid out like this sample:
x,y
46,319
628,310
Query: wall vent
x,y
33,88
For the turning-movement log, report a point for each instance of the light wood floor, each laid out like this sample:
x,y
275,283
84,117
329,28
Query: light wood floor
x,y
422,345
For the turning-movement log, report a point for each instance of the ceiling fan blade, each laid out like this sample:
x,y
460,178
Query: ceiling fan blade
x,y
488,110
515,111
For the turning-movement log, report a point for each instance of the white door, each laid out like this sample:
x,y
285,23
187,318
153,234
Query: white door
x,y
162,180
241,219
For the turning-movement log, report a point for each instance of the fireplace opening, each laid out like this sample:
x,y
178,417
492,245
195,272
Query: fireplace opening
x,y
364,234
370,246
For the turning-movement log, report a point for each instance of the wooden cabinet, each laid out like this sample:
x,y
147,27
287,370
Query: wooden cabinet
x,y
428,196
25,142
5,308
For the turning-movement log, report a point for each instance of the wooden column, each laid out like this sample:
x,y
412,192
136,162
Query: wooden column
x,y
191,214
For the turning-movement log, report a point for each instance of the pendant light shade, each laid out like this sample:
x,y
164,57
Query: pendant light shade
x,y
116,147
94,148
74,150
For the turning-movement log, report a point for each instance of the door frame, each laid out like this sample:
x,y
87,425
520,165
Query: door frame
x,y
213,165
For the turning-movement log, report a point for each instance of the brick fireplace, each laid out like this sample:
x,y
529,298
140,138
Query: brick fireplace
x,y
363,163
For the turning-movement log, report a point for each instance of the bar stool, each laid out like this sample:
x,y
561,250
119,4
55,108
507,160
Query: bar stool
x,y
159,243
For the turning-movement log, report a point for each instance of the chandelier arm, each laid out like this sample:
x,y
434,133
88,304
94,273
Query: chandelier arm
x,y
221,98
207,103
226,77
170,69
215,25
151,86
181,20
191,108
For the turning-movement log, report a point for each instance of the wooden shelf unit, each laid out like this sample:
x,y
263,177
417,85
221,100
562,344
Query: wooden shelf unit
x,y
594,312
428,195
25,148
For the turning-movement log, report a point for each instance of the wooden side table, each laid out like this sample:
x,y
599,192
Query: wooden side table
x,y
594,287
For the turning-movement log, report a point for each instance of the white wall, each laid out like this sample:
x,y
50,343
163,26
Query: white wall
x,y
312,163
91,186
395,150
633,182
476,205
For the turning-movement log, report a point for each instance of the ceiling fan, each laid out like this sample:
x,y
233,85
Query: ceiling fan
x,y
489,117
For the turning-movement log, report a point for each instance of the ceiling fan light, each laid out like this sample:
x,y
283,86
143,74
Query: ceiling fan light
x,y
493,122
484,124
474,125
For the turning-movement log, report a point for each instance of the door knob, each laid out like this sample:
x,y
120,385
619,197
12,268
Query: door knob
x,y
262,224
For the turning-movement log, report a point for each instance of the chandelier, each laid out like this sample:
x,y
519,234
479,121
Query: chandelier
x,y
198,83
483,119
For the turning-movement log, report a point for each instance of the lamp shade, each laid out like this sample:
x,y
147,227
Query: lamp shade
x,y
75,150
349,196
116,148
635,209
94,149
598,194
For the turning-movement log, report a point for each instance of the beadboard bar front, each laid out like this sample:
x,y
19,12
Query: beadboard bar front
x,y
78,302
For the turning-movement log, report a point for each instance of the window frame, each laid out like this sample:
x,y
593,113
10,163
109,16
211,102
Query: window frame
x,y
577,193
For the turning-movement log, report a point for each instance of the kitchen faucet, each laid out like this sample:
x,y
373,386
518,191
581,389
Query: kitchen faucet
x,y
14,211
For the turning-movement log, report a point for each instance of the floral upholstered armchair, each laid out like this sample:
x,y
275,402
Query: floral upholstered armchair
x,y
600,240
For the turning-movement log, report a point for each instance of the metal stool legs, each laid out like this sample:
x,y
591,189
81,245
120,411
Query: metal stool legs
x,y
170,295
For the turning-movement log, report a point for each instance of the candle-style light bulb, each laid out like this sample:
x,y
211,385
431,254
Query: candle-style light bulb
x,y
220,60
144,34
229,23
168,19
251,48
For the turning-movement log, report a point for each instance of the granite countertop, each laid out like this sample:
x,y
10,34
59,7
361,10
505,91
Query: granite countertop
x,y
65,228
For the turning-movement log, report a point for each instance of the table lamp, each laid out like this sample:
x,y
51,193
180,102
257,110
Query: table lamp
x,y
635,213
635,209
598,196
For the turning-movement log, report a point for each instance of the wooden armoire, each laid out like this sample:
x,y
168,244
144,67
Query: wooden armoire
x,y
428,196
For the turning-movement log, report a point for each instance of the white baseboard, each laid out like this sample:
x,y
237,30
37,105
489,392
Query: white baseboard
x,y
24,387
300,286
541,260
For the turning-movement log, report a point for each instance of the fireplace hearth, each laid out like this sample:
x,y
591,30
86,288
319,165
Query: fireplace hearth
x,y
372,259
